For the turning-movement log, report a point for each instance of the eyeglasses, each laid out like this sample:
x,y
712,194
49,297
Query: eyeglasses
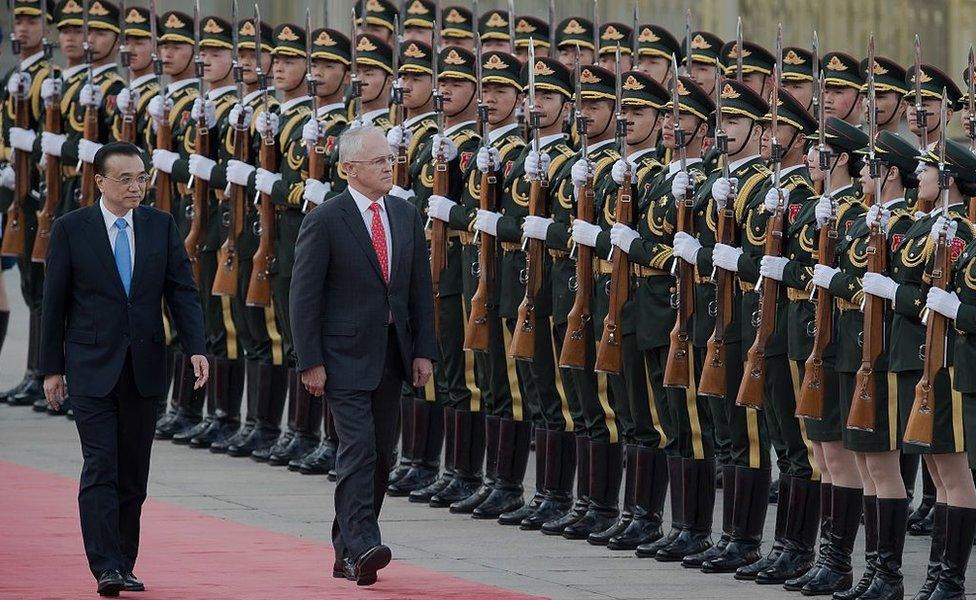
x,y
378,161
127,181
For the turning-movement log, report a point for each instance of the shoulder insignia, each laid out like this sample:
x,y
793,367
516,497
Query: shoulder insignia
x,y
794,211
896,241
956,248
465,160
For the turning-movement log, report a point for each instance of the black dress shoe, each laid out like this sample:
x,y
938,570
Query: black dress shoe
x,y
182,438
110,583
695,561
688,542
751,571
594,521
602,538
642,529
467,506
790,564
519,514
300,446
424,494
30,393
649,549
7,394
460,488
557,514
133,584
40,405
221,429
220,447
363,570
318,462
736,554
261,437
182,422
417,478
264,453
500,500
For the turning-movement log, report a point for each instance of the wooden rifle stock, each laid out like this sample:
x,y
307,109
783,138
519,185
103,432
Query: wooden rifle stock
x,y
128,132
198,212
164,183
228,261
712,381
677,370
52,185
317,162
579,321
259,287
14,239
608,355
522,346
438,240
864,401
88,169
476,332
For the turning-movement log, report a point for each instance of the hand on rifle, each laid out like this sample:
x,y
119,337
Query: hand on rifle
x,y
267,124
488,159
164,160
582,172
22,139
773,198
315,191
585,233
51,143
623,237
127,98
87,150
943,302
536,227
201,166
823,275
157,109
723,189
686,247
400,192
942,224
398,136
873,215
880,285
536,164
726,257
204,109
19,84
486,221
311,133
91,95
50,89
824,210
620,168
236,114
441,145
264,181
773,267
680,184
8,178
239,172
439,207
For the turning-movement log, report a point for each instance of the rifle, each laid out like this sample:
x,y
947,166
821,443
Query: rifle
x,y
90,130
553,50
228,261
810,402
751,392
51,191
678,369
14,240
356,84
401,169
197,214
164,131
971,130
317,159
128,133
608,359
259,286
438,235
918,430
712,380
578,323
738,50
687,68
522,346
921,114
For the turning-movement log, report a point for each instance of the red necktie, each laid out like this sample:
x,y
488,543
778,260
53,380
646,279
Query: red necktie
x,y
379,240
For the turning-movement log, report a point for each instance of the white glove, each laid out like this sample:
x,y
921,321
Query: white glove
x,y
238,172
8,179
126,98
399,192
17,82
620,169
315,191
204,109
722,190
585,233
686,247
771,201
264,180
623,237
310,132
440,207
823,210
50,88
823,275
943,302
87,150
164,160
157,109
488,159
235,114
726,257
486,221
90,95
22,139
536,227
872,216
919,214
942,223
773,267
680,184
536,164
879,285
441,144
51,143
201,166
581,172
398,136
264,122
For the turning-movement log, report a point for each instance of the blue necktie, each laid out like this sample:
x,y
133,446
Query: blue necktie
x,y
123,254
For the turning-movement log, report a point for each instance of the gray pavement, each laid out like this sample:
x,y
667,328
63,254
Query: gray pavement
x,y
273,498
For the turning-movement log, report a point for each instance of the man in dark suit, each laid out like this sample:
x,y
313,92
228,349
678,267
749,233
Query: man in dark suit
x,y
109,267
362,320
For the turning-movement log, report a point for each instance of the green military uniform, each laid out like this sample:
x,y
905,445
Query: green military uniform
x,y
457,23
137,25
962,380
419,14
705,50
493,26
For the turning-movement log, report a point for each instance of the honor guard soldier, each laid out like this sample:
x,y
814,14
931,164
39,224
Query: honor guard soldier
x,y
381,16
143,84
655,46
573,33
613,35
458,27
890,92
798,75
534,31
922,112
648,245
21,119
757,66
705,59
418,21
843,82
493,27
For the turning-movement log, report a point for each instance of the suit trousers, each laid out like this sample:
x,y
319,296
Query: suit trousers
x,y
116,434
366,423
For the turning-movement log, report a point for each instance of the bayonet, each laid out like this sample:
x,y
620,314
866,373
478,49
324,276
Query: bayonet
x,y
197,59
355,84
971,98
776,151
86,46
815,72
511,25
688,41
634,43
261,75
482,107
14,42
125,59
921,116
873,161
235,37
157,61
679,133
738,50
553,53
596,31
309,76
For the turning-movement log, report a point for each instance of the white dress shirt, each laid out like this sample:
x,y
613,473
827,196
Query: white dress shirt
x,y
113,231
363,203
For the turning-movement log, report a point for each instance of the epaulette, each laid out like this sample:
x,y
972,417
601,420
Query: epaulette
x,y
383,123
464,136
565,150
795,181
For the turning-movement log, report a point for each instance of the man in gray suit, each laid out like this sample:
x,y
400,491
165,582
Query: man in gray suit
x,y
363,322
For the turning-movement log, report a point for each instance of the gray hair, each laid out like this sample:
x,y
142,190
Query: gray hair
x,y
351,141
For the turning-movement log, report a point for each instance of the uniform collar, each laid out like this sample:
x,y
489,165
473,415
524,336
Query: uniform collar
x,y
372,115
414,120
455,128
837,192
594,147
286,106
217,93
735,164
99,70
892,202
495,134
635,156
30,60
675,165
324,110
548,139
252,95
176,86
786,170
938,211
141,80
70,72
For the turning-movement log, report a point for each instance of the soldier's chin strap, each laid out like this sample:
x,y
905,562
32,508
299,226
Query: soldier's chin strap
x,y
851,109
382,87
650,130
745,141
466,104
510,112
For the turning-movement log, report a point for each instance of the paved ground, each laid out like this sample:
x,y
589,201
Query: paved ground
x,y
273,498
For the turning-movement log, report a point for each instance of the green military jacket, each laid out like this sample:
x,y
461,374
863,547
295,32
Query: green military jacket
x,y
964,284
332,121
147,87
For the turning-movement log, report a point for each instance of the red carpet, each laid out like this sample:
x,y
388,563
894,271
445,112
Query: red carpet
x,y
42,556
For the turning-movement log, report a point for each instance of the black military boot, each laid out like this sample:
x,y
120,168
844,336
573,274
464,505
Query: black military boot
x,y
511,461
695,561
189,406
602,538
469,453
698,480
308,420
428,438
252,376
182,438
650,488
272,394
801,534
869,507
920,522
835,573
960,529
174,367
936,551
4,322
888,582
284,439
649,549
33,388
423,495
229,389
605,472
561,465
558,523
751,570
323,457
535,436
467,505
6,395
406,435
750,498
826,512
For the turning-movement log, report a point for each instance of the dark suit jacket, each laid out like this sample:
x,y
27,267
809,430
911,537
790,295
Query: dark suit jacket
x,y
340,304
88,324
